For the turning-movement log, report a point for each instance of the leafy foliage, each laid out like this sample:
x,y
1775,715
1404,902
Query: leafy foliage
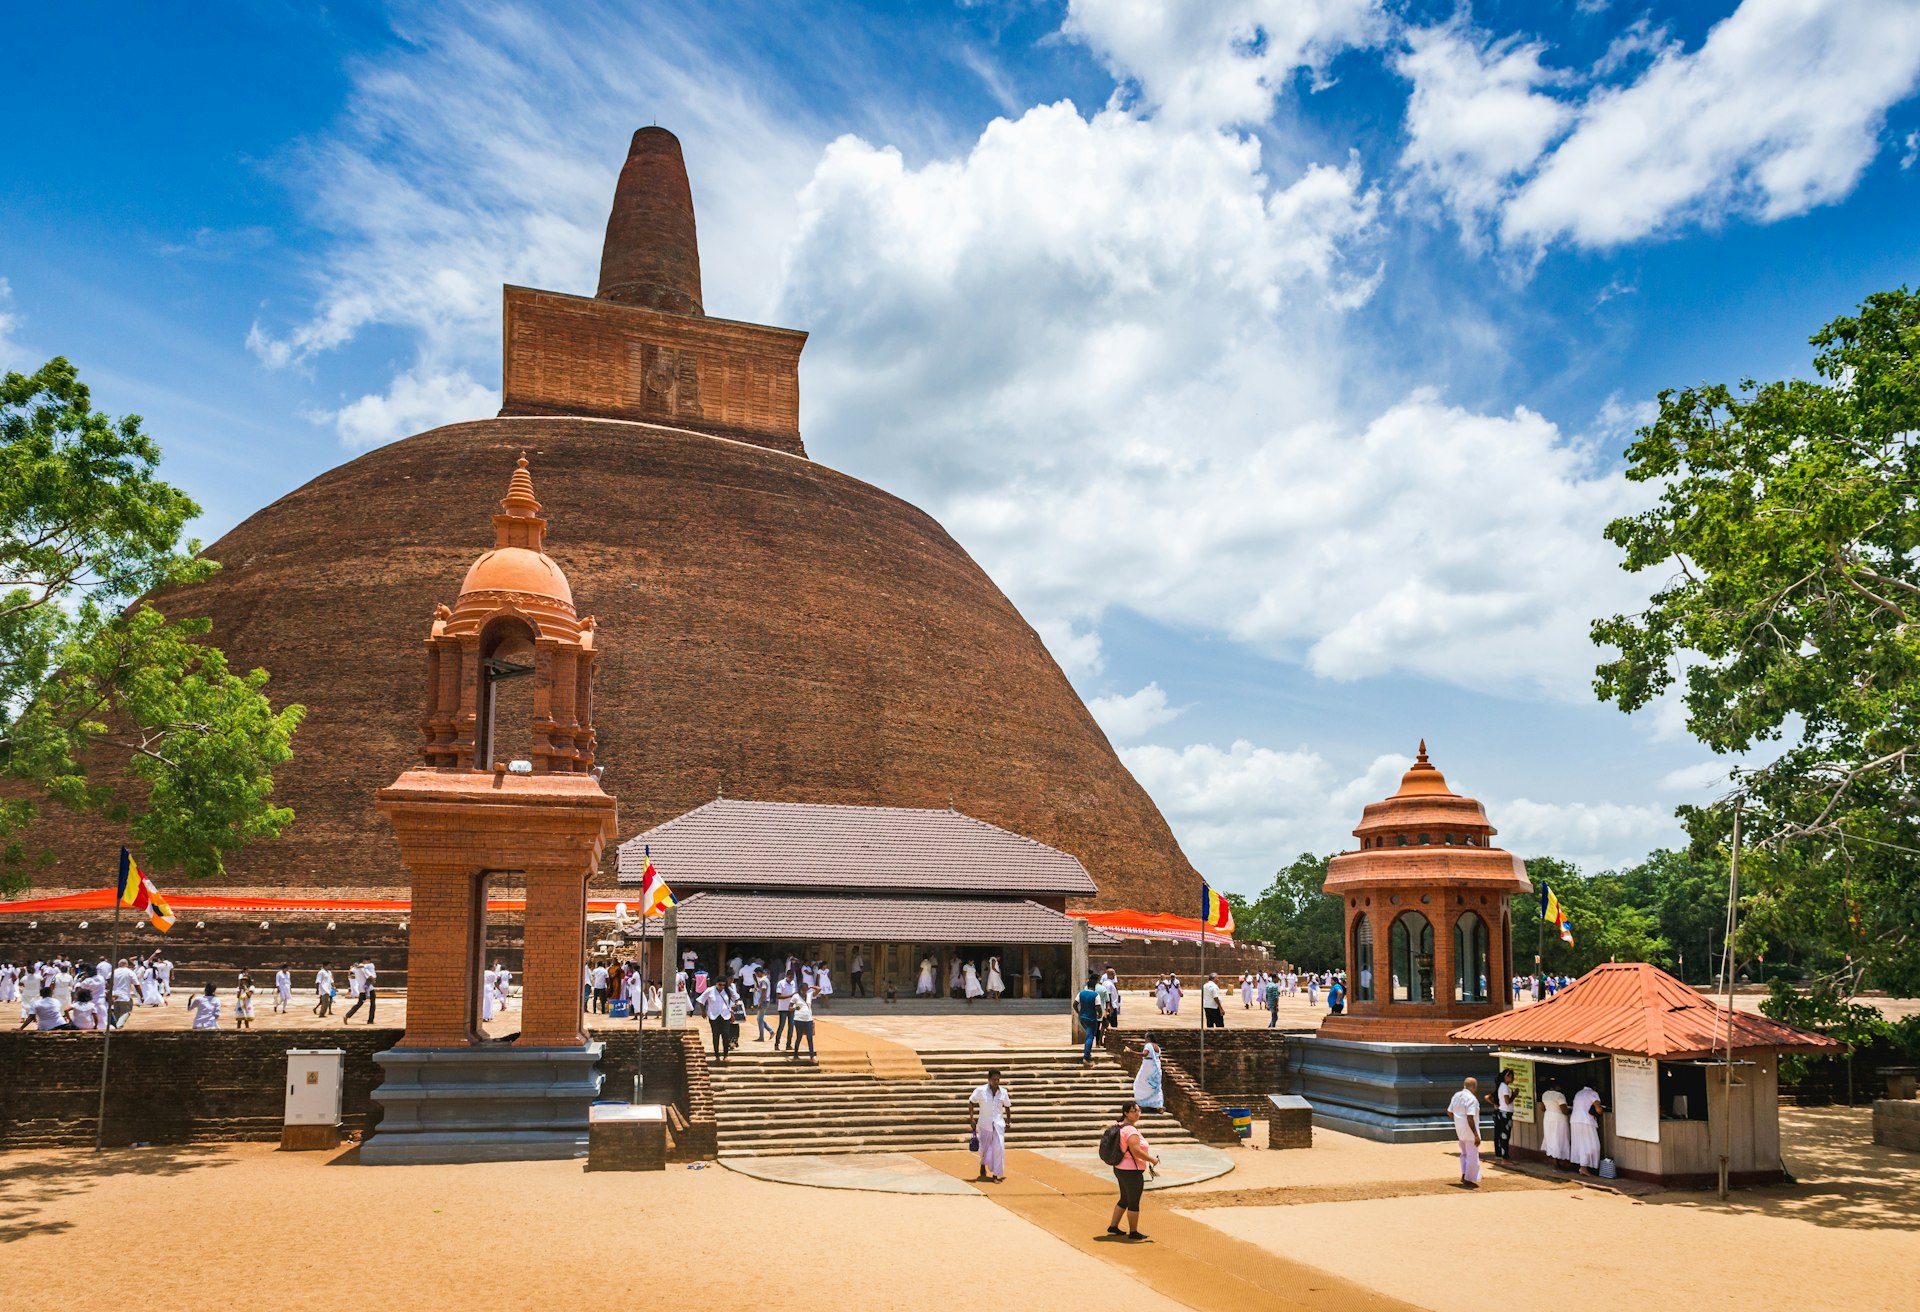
x,y
1304,925
104,707
1789,515
1610,922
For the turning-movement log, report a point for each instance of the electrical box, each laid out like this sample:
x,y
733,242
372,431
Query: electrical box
x,y
314,1079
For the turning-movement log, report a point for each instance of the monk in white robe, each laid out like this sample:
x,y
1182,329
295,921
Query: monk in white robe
x,y
991,1107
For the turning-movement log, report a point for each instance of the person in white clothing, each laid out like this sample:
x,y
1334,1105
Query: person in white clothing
x,y
164,969
122,985
1555,1136
46,1013
282,990
970,982
995,985
150,995
990,1110
488,983
323,992
503,983
84,1016
1246,992
1211,1012
206,1009
1465,1110
1585,1122
925,987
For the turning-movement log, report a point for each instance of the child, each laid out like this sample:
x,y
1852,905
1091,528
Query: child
x,y
243,1003
893,994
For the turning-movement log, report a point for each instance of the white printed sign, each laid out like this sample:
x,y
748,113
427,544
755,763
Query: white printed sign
x,y
1636,1098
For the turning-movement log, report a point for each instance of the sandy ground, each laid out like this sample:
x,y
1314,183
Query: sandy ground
x,y
247,1226
1847,1235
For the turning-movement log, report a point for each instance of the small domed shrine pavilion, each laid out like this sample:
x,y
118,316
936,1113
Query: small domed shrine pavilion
x,y
1429,940
1429,947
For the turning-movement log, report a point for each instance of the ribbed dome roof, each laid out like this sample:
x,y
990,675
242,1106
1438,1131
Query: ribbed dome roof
x,y
516,569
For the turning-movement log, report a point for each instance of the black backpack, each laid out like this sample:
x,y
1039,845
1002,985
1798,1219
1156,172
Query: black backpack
x,y
1111,1151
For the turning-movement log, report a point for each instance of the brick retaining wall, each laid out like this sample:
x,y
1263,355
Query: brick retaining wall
x,y
169,1087
1243,1066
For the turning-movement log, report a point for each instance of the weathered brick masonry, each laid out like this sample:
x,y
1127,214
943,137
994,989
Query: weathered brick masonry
x,y
184,1087
170,1088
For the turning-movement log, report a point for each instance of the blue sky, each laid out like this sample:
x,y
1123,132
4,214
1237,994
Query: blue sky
x,y
1276,356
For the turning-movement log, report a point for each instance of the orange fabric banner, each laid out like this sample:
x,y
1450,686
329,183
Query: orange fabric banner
x,y
102,899
1150,924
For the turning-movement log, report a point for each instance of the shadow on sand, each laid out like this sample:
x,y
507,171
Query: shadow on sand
x,y
28,1186
1842,1177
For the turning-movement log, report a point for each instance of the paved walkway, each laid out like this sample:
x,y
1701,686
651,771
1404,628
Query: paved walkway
x,y
906,1173
1183,1259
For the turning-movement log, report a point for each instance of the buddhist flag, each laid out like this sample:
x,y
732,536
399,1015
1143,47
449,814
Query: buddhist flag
x,y
655,896
137,891
1216,913
1554,914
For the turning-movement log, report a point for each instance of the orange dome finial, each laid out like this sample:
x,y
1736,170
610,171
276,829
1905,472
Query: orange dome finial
x,y
519,524
1423,779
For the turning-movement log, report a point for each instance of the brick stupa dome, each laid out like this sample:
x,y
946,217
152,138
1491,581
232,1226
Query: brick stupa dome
x,y
775,629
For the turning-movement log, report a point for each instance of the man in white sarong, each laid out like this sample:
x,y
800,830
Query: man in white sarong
x,y
991,1108
1465,1110
282,989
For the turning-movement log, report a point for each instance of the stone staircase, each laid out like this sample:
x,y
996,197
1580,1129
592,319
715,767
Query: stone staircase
x,y
773,1106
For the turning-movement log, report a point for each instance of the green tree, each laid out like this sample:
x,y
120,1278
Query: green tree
x,y
1687,898
1609,923
105,705
1304,925
1788,524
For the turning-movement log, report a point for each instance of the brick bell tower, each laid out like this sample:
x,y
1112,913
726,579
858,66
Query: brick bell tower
x,y
469,814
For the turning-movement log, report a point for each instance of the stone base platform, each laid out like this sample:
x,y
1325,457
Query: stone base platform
x,y
1387,1092
1896,1123
483,1104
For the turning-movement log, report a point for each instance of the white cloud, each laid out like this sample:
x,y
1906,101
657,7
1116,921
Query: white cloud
x,y
1106,352
1704,777
13,352
1912,154
1594,836
1776,112
1135,714
1243,811
1476,119
413,402
1077,650
483,152
1219,62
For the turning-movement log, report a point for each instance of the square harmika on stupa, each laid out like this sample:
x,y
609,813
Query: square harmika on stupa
x,y
788,633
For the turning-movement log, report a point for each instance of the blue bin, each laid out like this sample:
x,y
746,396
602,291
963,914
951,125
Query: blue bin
x,y
1242,1121
619,1009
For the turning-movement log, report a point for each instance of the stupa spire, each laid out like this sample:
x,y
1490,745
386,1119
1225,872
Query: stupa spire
x,y
652,254
519,523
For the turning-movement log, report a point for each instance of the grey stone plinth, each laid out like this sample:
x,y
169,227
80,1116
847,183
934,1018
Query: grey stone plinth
x,y
1390,1092
490,1103
1897,1123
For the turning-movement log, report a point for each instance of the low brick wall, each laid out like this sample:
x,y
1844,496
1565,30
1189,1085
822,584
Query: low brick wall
x,y
1204,1116
183,1086
674,1070
169,1087
1243,1066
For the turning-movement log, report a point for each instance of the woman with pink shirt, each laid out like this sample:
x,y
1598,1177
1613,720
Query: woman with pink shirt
x,y
1136,1159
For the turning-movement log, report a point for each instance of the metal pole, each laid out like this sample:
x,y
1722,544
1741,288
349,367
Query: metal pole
x,y
1203,996
106,1044
640,1012
1726,1088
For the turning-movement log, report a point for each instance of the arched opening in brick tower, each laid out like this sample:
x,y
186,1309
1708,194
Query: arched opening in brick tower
x,y
1411,941
1472,970
506,693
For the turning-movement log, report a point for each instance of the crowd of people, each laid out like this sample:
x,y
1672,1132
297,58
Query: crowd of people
x,y
1257,989
64,994
1537,987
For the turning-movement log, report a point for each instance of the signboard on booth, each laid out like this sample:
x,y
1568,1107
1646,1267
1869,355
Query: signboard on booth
x,y
1636,1098
677,1009
1522,1088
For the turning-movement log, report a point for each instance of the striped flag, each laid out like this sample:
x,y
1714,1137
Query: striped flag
x,y
137,891
655,896
1554,914
1216,913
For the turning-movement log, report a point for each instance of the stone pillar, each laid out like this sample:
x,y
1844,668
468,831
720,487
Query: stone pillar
x,y
669,949
556,949
1077,974
442,947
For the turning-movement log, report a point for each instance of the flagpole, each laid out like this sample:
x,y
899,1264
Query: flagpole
x,y
640,1013
1204,900
106,1045
1540,948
